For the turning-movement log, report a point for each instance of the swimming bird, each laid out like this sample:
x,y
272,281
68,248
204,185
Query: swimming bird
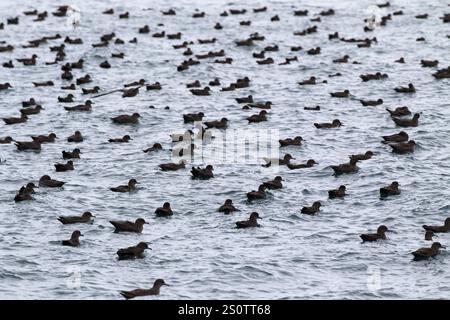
x,y
201,92
336,123
28,145
164,211
84,218
76,137
274,184
156,146
360,157
5,86
74,240
429,63
313,209
402,136
29,103
409,89
370,237
47,181
68,98
83,80
192,117
227,207
144,292
414,122
140,82
259,194
251,222
95,89
425,253
337,193
349,167
75,154
131,186
87,106
133,252
173,166
439,229
154,86
30,111
124,139
64,167
129,93
203,173
248,99
340,94
219,124
283,161
371,103
14,120
399,112
128,226
309,164
390,190
310,81
403,147
6,140
28,61
261,116
429,235
127,119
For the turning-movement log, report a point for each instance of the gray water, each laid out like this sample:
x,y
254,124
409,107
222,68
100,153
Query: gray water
x,y
198,251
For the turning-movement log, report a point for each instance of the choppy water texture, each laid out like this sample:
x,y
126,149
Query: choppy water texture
x,y
198,251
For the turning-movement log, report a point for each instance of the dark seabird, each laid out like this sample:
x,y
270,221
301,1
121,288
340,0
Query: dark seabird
x,y
360,157
399,111
313,209
251,222
28,145
75,154
84,218
227,207
46,181
409,89
144,292
173,166
403,147
309,164
390,190
336,123
425,253
259,194
274,184
202,173
349,167
219,124
131,186
127,119
76,137
64,167
155,147
439,229
337,193
164,211
375,236
124,139
74,240
414,122
402,136
128,226
133,252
